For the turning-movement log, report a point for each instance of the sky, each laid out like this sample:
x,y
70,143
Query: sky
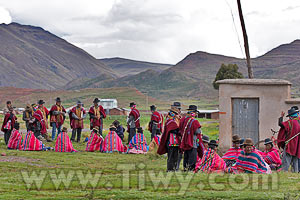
x,y
162,31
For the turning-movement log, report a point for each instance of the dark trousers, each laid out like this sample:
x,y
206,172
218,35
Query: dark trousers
x,y
132,132
179,160
74,131
7,134
173,153
190,159
154,133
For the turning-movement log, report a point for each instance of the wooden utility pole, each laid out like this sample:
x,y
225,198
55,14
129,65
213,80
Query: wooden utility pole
x,y
246,45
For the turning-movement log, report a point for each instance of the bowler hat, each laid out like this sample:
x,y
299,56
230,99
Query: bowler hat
x,y
132,104
213,142
153,107
96,100
268,141
205,138
140,130
292,111
79,102
248,142
58,99
235,138
192,108
64,129
176,105
116,123
41,102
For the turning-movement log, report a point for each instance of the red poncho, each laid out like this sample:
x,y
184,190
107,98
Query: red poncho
x,y
97,112
170,125
210,162
232,154
291,128
158,118
94,143
113,143
59,119
15,140
63,143
188,127
9,117
31,143
38,115
74,122
272,158
136,114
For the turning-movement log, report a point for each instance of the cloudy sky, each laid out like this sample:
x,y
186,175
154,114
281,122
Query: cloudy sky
x,y
160,30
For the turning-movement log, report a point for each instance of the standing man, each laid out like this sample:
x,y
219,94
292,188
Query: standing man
x,y
40,121
77,116
57,117
170,140
289,140
27,116
133,121
97,114
156,123
8,124
190,128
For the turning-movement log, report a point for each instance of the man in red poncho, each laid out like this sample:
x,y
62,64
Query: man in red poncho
x,y
77,115
289,139
8,124
97,114
133,121
170,140
189,129
156,123
40,121
57,117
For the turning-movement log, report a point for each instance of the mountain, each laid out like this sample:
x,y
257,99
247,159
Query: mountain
x,y
31,57
193,76
125,67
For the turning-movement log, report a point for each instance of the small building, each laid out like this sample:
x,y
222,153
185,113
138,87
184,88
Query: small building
x,y
208,114
118,111
250,108
108,103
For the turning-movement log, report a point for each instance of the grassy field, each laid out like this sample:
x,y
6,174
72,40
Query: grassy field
x,y
82,175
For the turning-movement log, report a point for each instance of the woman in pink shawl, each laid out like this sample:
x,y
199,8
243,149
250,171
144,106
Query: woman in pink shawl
x,y
271,155
138,143
231,156
31,143
63,142
15,140
211,161
112,142
95,141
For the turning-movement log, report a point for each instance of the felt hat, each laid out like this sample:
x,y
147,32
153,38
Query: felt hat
x,y
213,142
140,130
192,108
235,138
79,102
176,105
268,141
96,100
132,104
116,123
248,142
293,110
64,129
153,107
205,138
58,99
242,141
41,102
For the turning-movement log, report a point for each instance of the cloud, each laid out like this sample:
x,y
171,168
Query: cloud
x,y
4,16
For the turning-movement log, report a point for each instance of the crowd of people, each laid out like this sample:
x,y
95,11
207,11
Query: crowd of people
x,y
178,135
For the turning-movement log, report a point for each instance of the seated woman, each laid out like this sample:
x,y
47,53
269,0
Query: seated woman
x,y
249,161
95,141
233,153
63,142
112,142
31,143
119,129
138,143
211,161
15,140
271,155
